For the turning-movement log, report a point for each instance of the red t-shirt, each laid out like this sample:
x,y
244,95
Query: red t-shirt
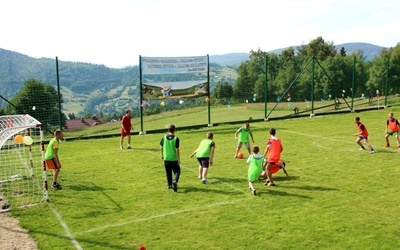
x,y
126,124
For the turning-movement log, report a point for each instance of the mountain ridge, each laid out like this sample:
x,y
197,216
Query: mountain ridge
x,y
231,59
234,59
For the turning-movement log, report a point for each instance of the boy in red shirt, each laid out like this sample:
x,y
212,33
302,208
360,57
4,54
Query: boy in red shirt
x,y
126,127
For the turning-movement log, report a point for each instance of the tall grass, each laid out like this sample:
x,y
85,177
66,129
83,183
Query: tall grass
x,y
336,197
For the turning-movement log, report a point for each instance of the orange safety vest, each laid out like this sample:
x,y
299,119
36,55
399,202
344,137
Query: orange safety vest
x,y
275,150
363,133
393,125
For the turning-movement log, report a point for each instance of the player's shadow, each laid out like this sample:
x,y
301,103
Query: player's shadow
x,y
230,180
281,178
93,187
147,149
273,191
387,151
312,188
208,188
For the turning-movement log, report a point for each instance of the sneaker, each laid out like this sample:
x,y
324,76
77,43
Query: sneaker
x,y
235,156
372,151
121,147
200,177
254,192
175,186
56,186
270,184
129,147
362,149
266,182
169,186
204,181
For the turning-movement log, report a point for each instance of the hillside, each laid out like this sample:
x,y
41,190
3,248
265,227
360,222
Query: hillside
x,y
84,85
234,59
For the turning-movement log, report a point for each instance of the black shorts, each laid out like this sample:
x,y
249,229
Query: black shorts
x,y
204,162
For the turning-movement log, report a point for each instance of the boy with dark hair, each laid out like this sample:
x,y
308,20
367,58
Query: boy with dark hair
x,y
126,127
274,149
362,135
171,156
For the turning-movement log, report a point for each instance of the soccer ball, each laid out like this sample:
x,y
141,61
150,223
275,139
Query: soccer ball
x,y
239,155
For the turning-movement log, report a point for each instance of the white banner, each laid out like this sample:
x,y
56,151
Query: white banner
x,y
174,65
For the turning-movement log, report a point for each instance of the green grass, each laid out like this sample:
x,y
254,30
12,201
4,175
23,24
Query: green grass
x,y
336,197
220,114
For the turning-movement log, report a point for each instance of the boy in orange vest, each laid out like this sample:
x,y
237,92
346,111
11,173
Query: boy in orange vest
x,y
362,135
274,149
392,128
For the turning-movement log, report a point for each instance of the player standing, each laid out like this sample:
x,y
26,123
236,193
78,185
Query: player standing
x,y
392,128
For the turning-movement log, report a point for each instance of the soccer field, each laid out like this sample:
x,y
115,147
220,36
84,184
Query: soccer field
x,y
336,197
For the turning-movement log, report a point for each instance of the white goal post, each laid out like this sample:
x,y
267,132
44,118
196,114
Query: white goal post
x,y
23,180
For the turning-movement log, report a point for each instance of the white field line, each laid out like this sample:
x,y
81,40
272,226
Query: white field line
x,y
66,229
321,138
160,215
170,213
76,244
317,136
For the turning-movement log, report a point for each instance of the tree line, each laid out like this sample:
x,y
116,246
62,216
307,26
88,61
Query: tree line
x,y
333,74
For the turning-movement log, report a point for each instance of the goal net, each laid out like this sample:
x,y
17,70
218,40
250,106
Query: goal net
x,y
22,171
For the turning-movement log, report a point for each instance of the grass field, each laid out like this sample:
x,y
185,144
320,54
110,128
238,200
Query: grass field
x,y
336,197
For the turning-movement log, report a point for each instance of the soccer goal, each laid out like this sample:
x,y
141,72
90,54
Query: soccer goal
x,y
22,169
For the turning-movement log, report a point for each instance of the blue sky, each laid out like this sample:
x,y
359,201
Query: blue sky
x,y
116,32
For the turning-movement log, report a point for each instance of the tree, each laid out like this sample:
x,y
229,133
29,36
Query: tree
x,y
242,87
222,93
342,52
318,47
38,99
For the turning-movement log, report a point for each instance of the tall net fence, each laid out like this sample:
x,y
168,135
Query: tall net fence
x,y
29,86
74,96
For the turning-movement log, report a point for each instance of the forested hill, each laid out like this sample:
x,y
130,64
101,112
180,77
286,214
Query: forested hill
x,y
83,82
370,51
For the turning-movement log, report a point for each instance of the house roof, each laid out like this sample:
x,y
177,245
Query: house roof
x,y
83,123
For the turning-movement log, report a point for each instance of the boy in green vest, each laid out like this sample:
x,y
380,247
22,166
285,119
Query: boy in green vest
x,y
51,157
243,135
170,154
205,154
256,161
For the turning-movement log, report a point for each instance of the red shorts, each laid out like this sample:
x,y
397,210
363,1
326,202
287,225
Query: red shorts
x,y
123,133
51,164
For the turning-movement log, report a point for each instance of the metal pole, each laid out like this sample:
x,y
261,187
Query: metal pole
x,y
312,85
140,93
387,80
208,92
59,94
352,83
265,87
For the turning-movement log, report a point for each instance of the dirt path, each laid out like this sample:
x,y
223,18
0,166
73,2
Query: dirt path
x,y
12,236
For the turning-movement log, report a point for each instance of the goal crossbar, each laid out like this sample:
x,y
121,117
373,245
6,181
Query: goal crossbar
x,y
14,124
